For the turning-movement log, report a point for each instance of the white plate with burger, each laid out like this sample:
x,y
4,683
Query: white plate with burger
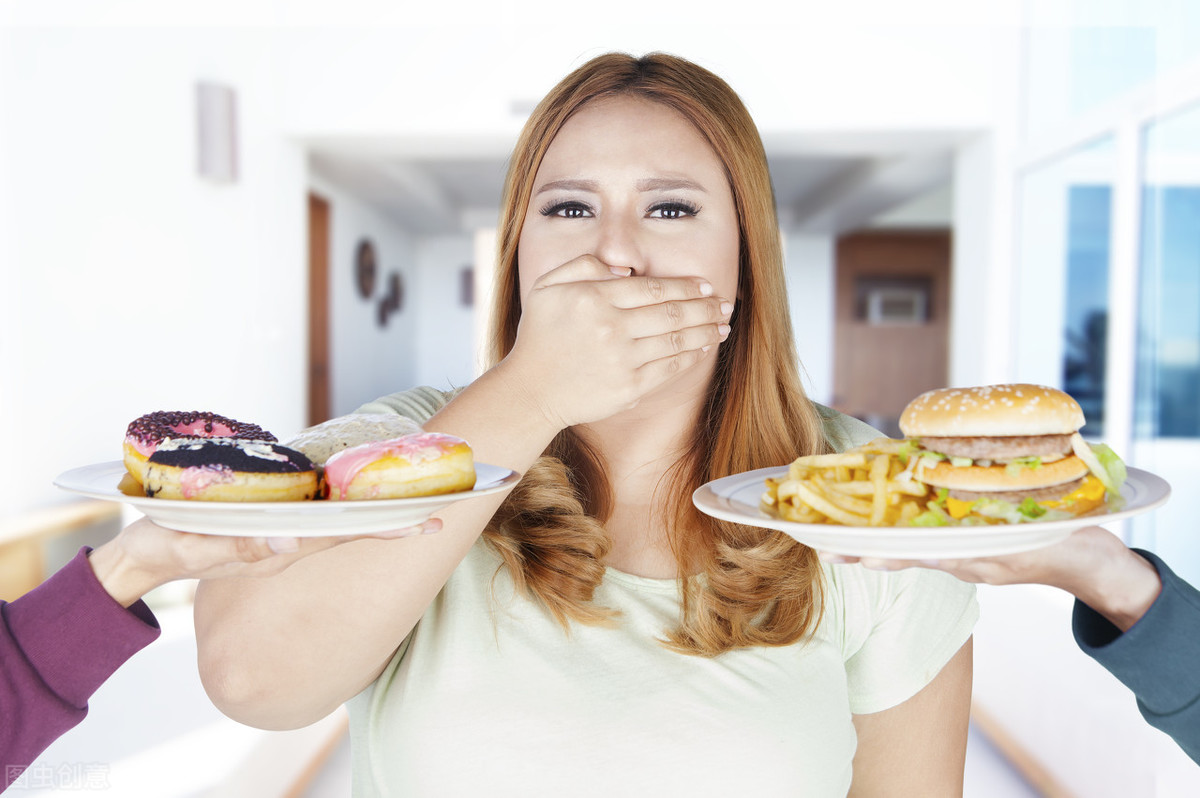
x,y
982,471
736,498
310,518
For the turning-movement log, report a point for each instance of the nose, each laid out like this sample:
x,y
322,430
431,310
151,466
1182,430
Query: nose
x,y
617,242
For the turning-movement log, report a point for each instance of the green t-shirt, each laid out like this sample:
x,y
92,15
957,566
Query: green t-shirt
x,y
488,696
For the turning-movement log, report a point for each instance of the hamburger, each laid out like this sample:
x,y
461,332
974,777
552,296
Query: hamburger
x,y
1006,453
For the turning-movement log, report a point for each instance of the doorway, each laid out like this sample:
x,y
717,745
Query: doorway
x,y
318,310
891,329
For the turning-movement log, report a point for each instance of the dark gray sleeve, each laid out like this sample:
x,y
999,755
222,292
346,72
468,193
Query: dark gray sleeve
x,y
1158,658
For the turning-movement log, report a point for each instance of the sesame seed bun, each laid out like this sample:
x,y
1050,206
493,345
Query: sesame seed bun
x,y
992,410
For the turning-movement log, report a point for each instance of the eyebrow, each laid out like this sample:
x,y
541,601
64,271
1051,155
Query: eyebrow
x,y
569,185
648,184
668,184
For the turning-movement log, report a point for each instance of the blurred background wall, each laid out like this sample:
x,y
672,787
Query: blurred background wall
x,y
1006,192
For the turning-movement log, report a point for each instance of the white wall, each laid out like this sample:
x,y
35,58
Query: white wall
x,y
446,336
134,285
367,360
810,269
982,281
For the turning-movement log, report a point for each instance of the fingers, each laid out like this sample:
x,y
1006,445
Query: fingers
x,y
587,267
695,340
880,563
621,287
673,315
215,557
261,548
429,527
638,292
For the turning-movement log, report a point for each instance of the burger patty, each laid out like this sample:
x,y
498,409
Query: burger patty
x,y
1037,494
1007,447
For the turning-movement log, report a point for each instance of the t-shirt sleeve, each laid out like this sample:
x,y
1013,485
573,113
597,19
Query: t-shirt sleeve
x,y
1156,658
901,628
843,431
58,644
419,403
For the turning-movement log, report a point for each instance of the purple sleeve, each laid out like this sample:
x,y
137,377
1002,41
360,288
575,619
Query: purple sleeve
x,y
58,643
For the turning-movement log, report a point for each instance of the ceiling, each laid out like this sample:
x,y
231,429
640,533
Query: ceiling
x,y
818,189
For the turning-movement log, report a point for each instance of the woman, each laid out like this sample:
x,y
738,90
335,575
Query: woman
x,y
595,634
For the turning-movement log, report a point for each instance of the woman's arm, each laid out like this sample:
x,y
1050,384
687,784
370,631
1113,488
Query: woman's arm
x,y
283,652
917,748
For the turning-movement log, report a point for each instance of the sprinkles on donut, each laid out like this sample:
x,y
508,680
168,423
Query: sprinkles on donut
x,y
144,434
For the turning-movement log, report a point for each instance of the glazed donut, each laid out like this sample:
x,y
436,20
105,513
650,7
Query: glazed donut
x,y
421,464
229,470
144,434
330,437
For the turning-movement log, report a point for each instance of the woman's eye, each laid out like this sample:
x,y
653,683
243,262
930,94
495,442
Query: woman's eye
x,y
567,210
673,210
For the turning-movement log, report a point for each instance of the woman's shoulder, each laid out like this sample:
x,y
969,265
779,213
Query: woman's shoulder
x,y
843,431
419,403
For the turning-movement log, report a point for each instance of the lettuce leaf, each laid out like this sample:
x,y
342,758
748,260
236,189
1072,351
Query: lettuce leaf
x,y
1023,513
1013,468
1031,509
932,517
1114,472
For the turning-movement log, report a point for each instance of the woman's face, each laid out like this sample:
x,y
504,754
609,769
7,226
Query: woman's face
x,y
634,184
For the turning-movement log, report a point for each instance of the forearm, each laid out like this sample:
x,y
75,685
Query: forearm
x,y
1116,582
58,643
283,651
122,577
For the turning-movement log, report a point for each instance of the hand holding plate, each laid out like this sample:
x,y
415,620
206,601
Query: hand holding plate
x,y
145,555
1091,564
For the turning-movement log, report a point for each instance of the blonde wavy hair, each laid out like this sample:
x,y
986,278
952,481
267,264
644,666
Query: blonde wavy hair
x,y
741,585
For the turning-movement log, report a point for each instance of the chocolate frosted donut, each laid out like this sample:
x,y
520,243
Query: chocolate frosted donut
x,y
230,470
144,434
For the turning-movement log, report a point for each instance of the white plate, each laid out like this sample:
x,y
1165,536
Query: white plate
x,y
736,498
292,519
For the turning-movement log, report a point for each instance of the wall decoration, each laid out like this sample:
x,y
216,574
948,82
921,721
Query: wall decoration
x,y
365,268
216,132
466,286
392,301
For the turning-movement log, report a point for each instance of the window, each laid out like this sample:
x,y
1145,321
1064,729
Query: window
x,y
1065,219
1167,398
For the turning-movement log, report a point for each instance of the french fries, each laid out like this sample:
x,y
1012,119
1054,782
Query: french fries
x,y
870,485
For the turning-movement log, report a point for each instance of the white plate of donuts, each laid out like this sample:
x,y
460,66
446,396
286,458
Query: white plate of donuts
x,y
303,518
198,472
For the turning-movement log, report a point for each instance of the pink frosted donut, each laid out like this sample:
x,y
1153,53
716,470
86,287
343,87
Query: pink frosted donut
x,y
144,434
421,464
